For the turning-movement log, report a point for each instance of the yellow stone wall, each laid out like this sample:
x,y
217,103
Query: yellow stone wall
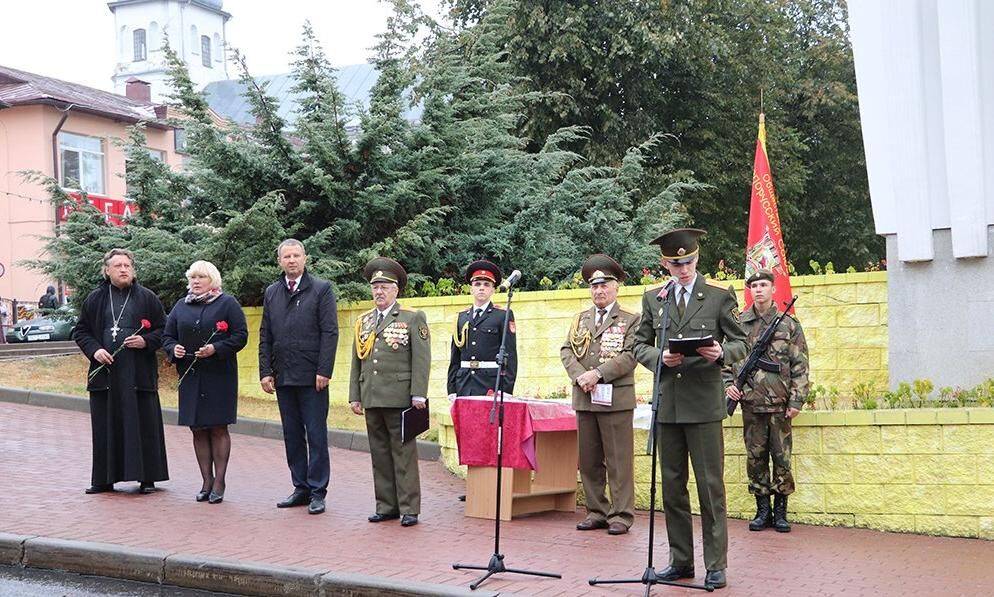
x,y
844,318
928,471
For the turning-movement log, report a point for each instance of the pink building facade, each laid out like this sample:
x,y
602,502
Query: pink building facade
x,y
71,133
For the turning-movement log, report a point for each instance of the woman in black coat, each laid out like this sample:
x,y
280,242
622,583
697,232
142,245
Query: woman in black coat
x,y
204,331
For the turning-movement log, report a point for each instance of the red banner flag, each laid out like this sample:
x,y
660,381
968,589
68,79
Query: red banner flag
x,y
765,248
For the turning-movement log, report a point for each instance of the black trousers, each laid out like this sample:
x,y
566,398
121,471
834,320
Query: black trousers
x,y
304,412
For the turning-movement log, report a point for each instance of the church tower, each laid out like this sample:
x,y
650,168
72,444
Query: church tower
x,y
195,30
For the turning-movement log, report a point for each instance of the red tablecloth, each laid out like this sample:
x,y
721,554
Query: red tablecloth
x,y
476,438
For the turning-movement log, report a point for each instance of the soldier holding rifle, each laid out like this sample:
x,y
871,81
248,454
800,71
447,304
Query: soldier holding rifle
x,y
772,390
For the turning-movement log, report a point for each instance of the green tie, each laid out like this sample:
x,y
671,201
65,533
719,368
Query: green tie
x,y
681,303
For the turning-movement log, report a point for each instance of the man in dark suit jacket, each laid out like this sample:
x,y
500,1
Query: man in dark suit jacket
x,y
297,342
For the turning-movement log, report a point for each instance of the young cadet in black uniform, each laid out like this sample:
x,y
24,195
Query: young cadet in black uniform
x,y
473,362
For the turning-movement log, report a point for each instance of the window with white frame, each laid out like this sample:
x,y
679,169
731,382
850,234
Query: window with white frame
x,y
179,140
205,51
82,162
141,50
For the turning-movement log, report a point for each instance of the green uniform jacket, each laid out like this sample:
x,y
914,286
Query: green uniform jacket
x,y
610,351
398,363
774,392
693,392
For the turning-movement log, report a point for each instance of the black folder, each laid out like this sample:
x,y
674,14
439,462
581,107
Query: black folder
x,y
413,422
688,346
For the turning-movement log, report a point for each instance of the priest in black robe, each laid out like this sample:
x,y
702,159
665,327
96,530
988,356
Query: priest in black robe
x,y
123,379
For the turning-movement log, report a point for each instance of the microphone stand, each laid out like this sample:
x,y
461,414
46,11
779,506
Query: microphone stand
x,y
496,564
649,577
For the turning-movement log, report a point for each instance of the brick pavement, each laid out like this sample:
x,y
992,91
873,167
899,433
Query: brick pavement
x,y
45,460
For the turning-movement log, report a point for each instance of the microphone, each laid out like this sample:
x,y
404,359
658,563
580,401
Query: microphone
x,y
664,290
511,280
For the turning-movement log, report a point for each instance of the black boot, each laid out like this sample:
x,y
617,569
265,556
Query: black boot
x,y
780,523
764,516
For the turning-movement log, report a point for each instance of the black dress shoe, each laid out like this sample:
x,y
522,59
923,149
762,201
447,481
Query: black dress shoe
x,y
99,488
381,517
316,506
215,497
203,496
591,524
409,520
675,572
617,528
298,498
715,579
146,488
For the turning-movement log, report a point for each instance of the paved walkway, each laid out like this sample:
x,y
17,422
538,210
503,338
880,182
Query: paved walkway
x,y
45,463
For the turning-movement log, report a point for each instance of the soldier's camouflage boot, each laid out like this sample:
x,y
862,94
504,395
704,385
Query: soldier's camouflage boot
x,y
780,523
764,516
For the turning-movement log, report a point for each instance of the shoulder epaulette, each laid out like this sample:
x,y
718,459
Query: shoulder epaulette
x,y
625,311
498,307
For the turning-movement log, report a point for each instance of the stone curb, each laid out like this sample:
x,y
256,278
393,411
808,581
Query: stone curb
x,y
339,438
196,572
243,578
12,548
342,583
100,559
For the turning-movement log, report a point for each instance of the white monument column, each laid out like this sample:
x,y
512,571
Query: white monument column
x,y
925,75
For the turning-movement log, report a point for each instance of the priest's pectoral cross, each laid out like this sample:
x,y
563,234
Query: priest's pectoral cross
x,y
113,333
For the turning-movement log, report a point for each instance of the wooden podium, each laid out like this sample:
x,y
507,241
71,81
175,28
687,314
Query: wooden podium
x,y
551,487
540,456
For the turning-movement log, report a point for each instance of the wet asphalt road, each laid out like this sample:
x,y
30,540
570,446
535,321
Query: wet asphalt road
x,y
29,582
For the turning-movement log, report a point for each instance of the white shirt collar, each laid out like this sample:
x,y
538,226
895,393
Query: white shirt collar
x,y
296,281
688,287
387,311
607,309
483,308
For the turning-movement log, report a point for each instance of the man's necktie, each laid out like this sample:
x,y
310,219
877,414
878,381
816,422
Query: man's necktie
x,y
681,303
379,318
291,284
600,316
476,314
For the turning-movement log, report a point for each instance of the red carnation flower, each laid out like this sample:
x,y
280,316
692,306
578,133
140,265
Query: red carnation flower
x,y
221,326
146,324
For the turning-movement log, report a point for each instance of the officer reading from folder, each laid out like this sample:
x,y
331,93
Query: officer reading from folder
x,y
692,402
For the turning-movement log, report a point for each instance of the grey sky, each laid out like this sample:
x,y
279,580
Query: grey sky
x,y
74,39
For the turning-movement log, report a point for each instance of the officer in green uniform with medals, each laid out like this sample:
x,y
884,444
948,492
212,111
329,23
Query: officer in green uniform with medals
x,y
692,401
476,341
598,357
391,360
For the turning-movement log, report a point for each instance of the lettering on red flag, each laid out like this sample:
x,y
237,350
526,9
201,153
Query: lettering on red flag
x,y
765,248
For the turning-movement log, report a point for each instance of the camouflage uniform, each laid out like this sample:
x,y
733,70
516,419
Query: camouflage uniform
x,y
765,425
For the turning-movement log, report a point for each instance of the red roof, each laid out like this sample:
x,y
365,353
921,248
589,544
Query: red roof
x,y
20,88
